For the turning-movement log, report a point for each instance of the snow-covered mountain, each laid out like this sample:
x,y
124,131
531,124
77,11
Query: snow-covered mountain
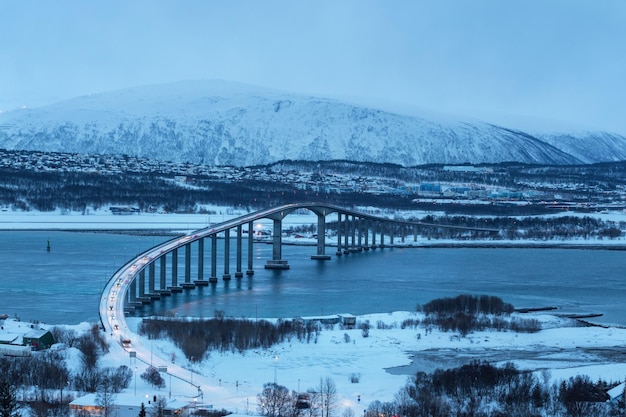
x,y
224,123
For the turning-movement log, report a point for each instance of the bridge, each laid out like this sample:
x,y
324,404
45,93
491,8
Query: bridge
x,y
126,289
355,232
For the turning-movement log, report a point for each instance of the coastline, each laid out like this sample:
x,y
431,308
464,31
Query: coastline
x,y
164,224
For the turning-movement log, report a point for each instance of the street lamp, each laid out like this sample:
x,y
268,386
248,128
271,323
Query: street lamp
x,y
275,367
191,371
135,381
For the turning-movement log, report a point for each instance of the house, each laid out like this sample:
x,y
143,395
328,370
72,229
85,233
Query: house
x,y
127,405
38,339
325,320
348,320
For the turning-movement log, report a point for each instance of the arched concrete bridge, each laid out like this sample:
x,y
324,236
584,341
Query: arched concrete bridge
x,y
356,231
127,287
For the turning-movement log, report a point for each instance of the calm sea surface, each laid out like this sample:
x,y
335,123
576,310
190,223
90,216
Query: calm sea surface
x,y
63,286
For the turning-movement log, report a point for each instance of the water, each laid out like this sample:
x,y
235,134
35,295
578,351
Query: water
x,y
63,286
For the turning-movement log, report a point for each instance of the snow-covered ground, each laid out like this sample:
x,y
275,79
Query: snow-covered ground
x,y
387,357
382,361
105,220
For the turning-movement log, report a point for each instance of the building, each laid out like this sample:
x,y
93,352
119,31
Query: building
x,y
127,405
38,339
347,320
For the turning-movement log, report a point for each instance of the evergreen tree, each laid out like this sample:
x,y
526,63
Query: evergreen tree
x,y
142,411
8,400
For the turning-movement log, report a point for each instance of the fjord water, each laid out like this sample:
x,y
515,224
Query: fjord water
x,y
63,286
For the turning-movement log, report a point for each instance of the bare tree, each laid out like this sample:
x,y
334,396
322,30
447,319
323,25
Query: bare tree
x,y
90,352
63,335
275,400
328,392
105,399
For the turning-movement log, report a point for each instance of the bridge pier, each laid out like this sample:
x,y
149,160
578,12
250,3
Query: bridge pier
x,y
250,271
321,239
174,287
238,273
163,290
226,276
353,227
132,299
277,262
359,233
374,230
151,282
346,235
213,278
339,226
188,284
143,297
201,282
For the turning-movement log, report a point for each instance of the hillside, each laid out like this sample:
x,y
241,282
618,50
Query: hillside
x,y
223,123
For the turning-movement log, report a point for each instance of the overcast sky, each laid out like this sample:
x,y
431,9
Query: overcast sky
x,y
550,59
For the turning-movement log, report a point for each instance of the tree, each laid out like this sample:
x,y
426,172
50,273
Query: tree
x,y
90,352
8,400
328,392
153,377
275,400
142,411
119,378
105,399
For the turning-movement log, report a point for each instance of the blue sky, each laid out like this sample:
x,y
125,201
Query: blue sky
x,y
497,60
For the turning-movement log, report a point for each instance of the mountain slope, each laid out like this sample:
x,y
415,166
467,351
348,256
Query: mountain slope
x,y
222,123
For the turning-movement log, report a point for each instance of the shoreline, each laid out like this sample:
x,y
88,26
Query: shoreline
x,y
447,245
477,244
171,224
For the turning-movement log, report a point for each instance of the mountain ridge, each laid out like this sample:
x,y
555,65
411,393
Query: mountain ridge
x,y
225,123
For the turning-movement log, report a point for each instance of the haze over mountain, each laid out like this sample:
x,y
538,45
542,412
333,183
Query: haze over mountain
x,y
225,123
